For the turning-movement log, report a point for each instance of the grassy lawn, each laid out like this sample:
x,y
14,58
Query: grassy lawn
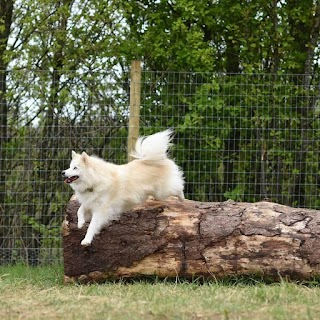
x,y
38,293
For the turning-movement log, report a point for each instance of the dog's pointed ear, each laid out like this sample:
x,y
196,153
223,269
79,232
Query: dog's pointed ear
x,y
73,154
85,157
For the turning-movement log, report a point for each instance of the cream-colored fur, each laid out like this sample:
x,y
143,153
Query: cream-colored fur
x,y
105,190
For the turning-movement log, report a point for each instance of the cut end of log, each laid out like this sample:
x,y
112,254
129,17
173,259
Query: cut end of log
x,y
195,239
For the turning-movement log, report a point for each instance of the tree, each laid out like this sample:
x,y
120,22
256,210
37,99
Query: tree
x,y
221,117
56,53
6,10
224,36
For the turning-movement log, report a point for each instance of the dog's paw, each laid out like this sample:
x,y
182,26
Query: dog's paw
x,y
85,243
80,224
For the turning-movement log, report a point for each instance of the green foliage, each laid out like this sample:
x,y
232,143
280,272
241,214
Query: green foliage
x,y
244,137
223,36
247,129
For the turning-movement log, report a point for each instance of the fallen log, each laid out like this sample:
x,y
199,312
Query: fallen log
x,y
196,239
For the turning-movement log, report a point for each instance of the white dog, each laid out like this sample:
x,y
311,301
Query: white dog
x,y
105,190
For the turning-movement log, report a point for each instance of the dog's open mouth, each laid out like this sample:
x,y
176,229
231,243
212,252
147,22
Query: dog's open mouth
x,y
71,179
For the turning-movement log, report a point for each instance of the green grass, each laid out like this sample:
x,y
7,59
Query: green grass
x,y
39,293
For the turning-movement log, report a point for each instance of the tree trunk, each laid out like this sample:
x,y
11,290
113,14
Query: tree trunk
x,y
6,12
196,239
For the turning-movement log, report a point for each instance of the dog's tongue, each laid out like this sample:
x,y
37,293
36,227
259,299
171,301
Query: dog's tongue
x,y
71,179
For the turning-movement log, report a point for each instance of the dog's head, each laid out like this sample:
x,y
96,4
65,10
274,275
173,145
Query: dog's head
x,y
75,174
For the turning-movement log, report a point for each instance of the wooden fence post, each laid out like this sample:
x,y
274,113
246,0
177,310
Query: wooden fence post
x,y
134,116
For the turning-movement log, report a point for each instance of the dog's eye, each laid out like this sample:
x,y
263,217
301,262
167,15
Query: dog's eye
x,y
75,168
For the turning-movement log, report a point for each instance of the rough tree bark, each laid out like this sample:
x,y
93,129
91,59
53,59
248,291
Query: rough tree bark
x,y
197,239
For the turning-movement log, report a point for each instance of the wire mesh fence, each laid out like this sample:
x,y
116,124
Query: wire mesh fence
x,y
245,137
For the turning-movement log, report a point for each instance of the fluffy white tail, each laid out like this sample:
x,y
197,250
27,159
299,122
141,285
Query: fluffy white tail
x,y
154,147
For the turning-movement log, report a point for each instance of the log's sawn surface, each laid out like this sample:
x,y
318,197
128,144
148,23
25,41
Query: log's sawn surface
x,y
196,239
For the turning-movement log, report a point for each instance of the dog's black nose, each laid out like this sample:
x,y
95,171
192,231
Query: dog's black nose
x,y
63,173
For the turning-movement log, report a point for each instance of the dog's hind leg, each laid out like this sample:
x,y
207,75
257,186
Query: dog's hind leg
x,y
98,221
180,196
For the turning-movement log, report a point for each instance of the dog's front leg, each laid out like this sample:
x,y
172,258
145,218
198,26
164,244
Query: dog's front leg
x,y
81,216
98,220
